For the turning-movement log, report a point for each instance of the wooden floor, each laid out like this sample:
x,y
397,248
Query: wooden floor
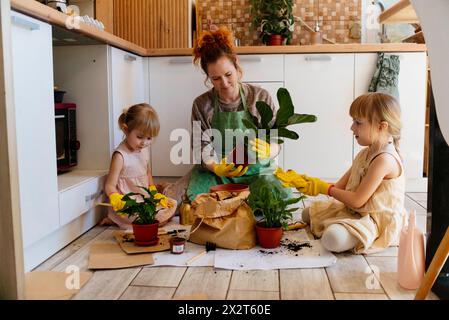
x,y
352,277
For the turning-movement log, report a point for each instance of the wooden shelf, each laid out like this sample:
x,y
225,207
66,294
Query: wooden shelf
x,y
401,12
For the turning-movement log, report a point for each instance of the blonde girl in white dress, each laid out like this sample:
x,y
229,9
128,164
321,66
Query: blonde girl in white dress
x,y
366,211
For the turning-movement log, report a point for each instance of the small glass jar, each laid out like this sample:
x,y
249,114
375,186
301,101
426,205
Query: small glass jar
x,y
177,245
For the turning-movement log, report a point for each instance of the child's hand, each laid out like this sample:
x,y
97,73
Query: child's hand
x,y
116,201
229,170
314,186
290,178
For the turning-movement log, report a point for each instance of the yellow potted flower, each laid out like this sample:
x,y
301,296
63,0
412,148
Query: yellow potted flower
x,y
143,208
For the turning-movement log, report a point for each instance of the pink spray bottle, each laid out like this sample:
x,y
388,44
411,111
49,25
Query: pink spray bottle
x,y
411,255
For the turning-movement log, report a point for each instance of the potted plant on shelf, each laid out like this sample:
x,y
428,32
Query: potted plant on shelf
x,y
274,207
143,209
275,20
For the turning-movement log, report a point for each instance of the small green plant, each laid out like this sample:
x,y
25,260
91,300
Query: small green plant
x,y
285,117
273,17
271,203
146,209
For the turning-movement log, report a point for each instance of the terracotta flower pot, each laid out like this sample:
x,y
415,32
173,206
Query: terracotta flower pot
x,y
146,234
231,187
275,40
268,238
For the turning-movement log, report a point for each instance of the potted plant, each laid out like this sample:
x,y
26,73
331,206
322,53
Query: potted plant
x,y
274,207
268,129
285,117
143,209
275,20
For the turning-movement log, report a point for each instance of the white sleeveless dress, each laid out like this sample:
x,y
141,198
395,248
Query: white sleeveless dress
x,y
378,223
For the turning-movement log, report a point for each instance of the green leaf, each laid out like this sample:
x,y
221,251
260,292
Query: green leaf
x,y
301,118
282,132
266,114
286,108
249,124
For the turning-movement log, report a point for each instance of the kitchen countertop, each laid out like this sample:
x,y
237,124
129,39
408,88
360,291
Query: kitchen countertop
x,y
54,17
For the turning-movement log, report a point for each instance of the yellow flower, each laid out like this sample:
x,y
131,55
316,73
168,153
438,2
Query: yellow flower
x,y
152,188
116,201
163,199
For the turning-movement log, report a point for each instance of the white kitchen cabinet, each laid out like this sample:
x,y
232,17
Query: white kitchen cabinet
x,y
262,67
412,98
82,71
127,87
35,127
174,83
80,198
321,84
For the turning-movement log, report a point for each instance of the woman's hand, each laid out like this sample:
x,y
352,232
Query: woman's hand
x,y
229,170
261,148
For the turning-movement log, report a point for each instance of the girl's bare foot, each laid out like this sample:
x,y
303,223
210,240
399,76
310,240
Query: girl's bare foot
x,y
106,222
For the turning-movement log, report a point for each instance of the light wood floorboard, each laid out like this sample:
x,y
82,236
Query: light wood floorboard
x,y
214,283
352,277
258,280
305,284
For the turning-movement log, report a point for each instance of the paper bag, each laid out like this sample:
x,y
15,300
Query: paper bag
x,y
225,219
126,242
110,256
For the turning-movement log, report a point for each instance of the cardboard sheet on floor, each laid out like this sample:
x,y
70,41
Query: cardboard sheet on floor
x,y
52,285
126,242
167,258
111,256
296,251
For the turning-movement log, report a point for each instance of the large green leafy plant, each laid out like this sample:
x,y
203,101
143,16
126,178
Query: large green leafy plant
x,y
146,209
273,17
271,203
285,117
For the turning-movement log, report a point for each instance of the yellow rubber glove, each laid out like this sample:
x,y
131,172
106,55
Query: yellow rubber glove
x,y
116,201
261,147
229,170
290,179
315,186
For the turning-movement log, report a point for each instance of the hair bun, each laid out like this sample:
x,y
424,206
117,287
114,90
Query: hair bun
x,y
209,40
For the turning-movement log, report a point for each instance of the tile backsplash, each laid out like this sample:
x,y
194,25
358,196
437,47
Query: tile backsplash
x,y
336,18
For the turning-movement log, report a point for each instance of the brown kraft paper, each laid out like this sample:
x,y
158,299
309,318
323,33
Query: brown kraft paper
x,y
225,219
53,285
126,242
111,256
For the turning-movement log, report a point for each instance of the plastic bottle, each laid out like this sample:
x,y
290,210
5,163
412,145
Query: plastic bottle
x,y
315,37
411,255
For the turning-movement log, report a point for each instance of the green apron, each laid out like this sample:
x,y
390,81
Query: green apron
x,y
202,179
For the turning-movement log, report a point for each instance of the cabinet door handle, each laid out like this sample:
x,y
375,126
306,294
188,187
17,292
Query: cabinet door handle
x,y
250,59
129,57
180,60
93,196
318,58
21,22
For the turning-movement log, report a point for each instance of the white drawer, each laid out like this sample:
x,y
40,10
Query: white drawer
x,y
262,67
78,200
